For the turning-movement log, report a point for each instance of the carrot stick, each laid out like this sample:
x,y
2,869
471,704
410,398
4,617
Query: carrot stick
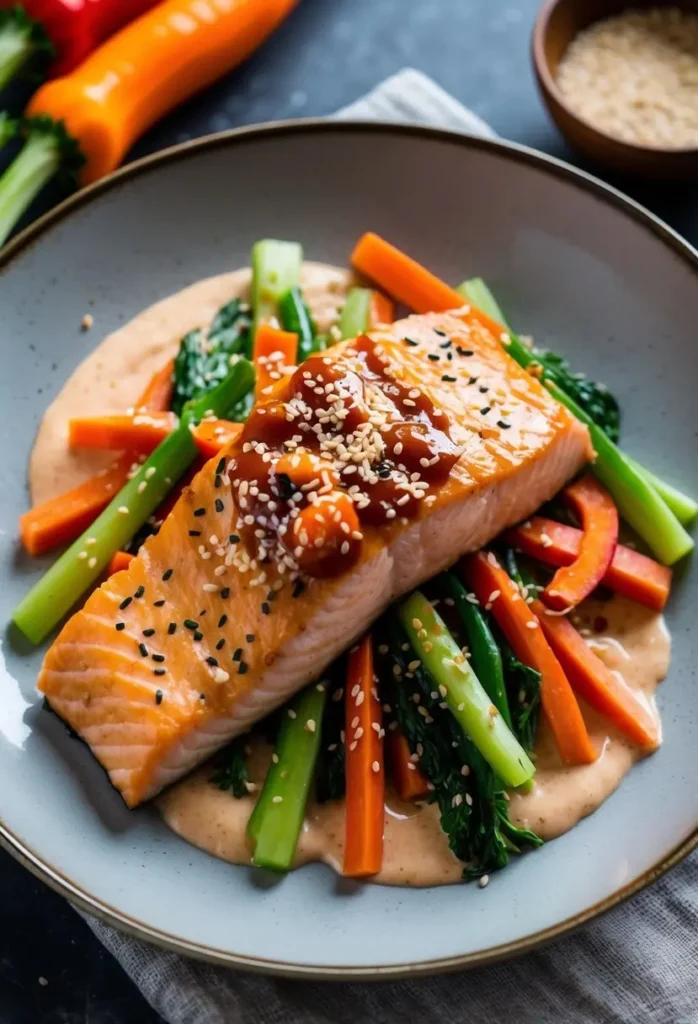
x,y
365,773
140,432
157,396
65,517
410,283
119,560
599,517
493,586
211,436
408,780
595,682
382,310
631,574
275,353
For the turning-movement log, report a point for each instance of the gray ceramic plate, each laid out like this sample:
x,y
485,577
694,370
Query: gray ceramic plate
x,y
575,264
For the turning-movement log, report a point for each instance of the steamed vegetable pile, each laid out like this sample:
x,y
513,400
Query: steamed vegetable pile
x,y
444,697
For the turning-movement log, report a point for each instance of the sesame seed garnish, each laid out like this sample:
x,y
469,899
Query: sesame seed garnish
x,y
446,377
298,588
482,882
411,341
139,592
310,725
221,644
503,424
212,661
464,351
159,604
234,539
120,626
167,575
238,654
195,533
159,671
158,657
485,410
219,505
210,588
221,466
172,628
158,696
292,713
149,632
199,511
265,608
242,668
125,603
277,799
220,675
249,638
144,650
198,635
123,510
190,624
434,356
222,621
375,766
225,592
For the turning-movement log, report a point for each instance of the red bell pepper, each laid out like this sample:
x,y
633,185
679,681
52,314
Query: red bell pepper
x,y
631,574
493,587
602,689
599,517
67,30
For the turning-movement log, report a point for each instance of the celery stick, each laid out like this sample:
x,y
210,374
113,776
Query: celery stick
x,y
81,565
276,267
684,508
463,691
355,316
276,822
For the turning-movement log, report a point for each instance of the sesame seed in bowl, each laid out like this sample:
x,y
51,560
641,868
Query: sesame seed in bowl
x,y
621,81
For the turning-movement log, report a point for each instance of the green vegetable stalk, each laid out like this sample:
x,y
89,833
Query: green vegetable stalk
x,y
295,316
356,313
8,128
84,561
48,151
276,822
643,500
276,267
204,361
21,40
463,692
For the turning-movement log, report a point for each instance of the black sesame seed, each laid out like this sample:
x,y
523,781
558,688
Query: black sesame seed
x,y
212,661
222,621
158,696
449,356
195,533
284,487
225,592
250,638
485,410
158,657
202,612
149,632
159,604
139,592
265,608
172,628
125,603
217,481
159,672
298,588
202,696
446,344
483,389
199,511
410,341
198,635
464,351
242,668
503,425
238,654
446,377
190,624
441,334
434,356
167,574
473,380
234,539
219,505
120,626
221,644
144,650
221,466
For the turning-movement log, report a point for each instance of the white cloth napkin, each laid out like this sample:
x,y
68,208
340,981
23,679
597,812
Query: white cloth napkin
x,y
638,965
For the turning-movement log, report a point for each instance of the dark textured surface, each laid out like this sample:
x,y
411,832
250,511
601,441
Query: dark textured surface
x,y
329,53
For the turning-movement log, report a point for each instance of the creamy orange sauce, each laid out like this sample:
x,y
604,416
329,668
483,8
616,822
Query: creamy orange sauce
x,y
634,642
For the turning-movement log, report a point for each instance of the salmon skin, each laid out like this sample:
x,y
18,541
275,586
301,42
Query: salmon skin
x,y
188,647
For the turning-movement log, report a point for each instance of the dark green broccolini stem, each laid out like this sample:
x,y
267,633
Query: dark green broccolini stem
x,y
22,39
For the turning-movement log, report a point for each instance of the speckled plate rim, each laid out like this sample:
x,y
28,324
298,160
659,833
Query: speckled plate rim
x,y
140,929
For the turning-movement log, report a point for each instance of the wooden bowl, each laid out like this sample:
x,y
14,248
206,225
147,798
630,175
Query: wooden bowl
x,y
557,24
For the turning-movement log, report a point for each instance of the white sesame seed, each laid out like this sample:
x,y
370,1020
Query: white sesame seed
x,y
277,799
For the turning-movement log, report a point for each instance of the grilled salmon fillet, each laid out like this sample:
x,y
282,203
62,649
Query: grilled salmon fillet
x,y
188,647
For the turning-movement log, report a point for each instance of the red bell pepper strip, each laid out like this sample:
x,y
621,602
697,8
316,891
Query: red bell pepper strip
x,y
599,517
493,586
364,768
601,688
631,574
67,30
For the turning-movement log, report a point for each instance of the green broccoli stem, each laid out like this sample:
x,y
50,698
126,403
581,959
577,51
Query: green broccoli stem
x,y
295,316
8,128
485,657
356,312
276,267
38,161
21,38
276,822
81,565
463,692
640,496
